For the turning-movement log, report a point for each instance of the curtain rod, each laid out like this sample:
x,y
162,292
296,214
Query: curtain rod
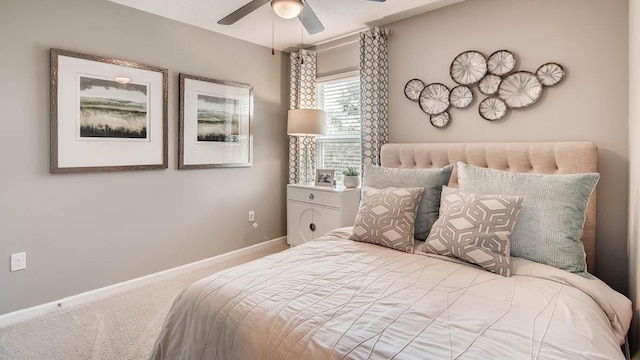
x,y
386,32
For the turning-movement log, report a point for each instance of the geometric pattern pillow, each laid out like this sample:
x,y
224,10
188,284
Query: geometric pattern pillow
x,y
431,180
475,228
387,217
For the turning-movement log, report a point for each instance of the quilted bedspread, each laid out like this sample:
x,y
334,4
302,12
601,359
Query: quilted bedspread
x,y
340,299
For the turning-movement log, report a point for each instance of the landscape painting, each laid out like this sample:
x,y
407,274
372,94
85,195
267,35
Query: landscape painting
x,y
112,110
215,120
218,119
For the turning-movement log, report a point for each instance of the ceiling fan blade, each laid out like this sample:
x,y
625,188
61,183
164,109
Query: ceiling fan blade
x,y
310,20
242,12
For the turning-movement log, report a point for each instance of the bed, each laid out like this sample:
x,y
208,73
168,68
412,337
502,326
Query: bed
x,y
334,298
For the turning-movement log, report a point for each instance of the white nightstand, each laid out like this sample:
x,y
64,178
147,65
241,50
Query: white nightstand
x,y
313,211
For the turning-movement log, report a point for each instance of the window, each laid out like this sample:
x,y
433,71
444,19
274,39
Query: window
x,y
340,148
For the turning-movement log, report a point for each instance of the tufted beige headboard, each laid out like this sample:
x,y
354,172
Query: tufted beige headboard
x,y
548,158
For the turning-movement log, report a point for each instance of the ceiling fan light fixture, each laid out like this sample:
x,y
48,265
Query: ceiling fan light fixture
x,y
287,9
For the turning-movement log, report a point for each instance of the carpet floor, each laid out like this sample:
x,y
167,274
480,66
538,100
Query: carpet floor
x,y
121,326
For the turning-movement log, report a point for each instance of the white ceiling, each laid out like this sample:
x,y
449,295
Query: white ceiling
x,y
339,17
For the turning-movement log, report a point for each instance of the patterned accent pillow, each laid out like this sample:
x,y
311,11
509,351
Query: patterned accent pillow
x,y
549,229
431,180
387,217
475,228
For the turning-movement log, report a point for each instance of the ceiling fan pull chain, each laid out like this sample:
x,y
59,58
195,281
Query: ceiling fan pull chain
x,y
273,41
302,35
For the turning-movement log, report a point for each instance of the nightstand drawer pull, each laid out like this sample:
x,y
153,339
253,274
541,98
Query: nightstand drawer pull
x,y
312,227
311,196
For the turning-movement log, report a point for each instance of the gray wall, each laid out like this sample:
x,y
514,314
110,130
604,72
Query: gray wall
x,y
589,37
84,231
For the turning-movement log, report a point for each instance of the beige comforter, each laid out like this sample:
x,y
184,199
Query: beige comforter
x,y
339,299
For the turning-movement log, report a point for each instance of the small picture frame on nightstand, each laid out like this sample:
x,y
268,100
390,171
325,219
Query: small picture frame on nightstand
x,y
324,177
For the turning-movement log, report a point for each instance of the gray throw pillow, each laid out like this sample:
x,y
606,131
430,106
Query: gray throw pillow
x,y
549,228
475,228
387,217
431,180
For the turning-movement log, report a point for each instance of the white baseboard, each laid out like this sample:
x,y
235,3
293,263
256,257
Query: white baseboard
x,y
83,298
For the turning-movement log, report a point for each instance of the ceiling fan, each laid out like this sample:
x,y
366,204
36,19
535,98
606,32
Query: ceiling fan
x,y
286,9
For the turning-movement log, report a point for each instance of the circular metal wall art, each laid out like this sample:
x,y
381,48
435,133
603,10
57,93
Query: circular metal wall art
x,y
489,84
550,74
501,62
434,99
413,88
461,96
520,89
441,120
468,68
492,109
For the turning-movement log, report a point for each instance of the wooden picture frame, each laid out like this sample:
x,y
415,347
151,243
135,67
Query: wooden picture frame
x,y
215,123
325,177
106,114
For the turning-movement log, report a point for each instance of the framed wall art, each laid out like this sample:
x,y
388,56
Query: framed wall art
x,y
215,123
106,114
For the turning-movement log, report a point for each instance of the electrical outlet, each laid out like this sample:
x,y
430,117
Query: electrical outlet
x,y
252,216
18,261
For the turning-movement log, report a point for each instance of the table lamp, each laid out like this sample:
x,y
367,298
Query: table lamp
x,y
306,123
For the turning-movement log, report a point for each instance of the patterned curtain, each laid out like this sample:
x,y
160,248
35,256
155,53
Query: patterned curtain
x,y
302,95
374,84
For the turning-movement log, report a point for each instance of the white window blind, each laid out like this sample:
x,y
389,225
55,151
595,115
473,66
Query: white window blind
x,y
340,148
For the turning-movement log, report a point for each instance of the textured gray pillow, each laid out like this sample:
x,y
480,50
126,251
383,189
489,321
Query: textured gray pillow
x,y
549,228
386,217
475,228
431,180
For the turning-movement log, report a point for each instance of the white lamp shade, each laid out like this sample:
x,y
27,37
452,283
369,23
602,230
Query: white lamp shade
x,y
307,122
287,9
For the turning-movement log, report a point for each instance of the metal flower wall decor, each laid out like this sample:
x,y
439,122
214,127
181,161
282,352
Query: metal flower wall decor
x,y
495,77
